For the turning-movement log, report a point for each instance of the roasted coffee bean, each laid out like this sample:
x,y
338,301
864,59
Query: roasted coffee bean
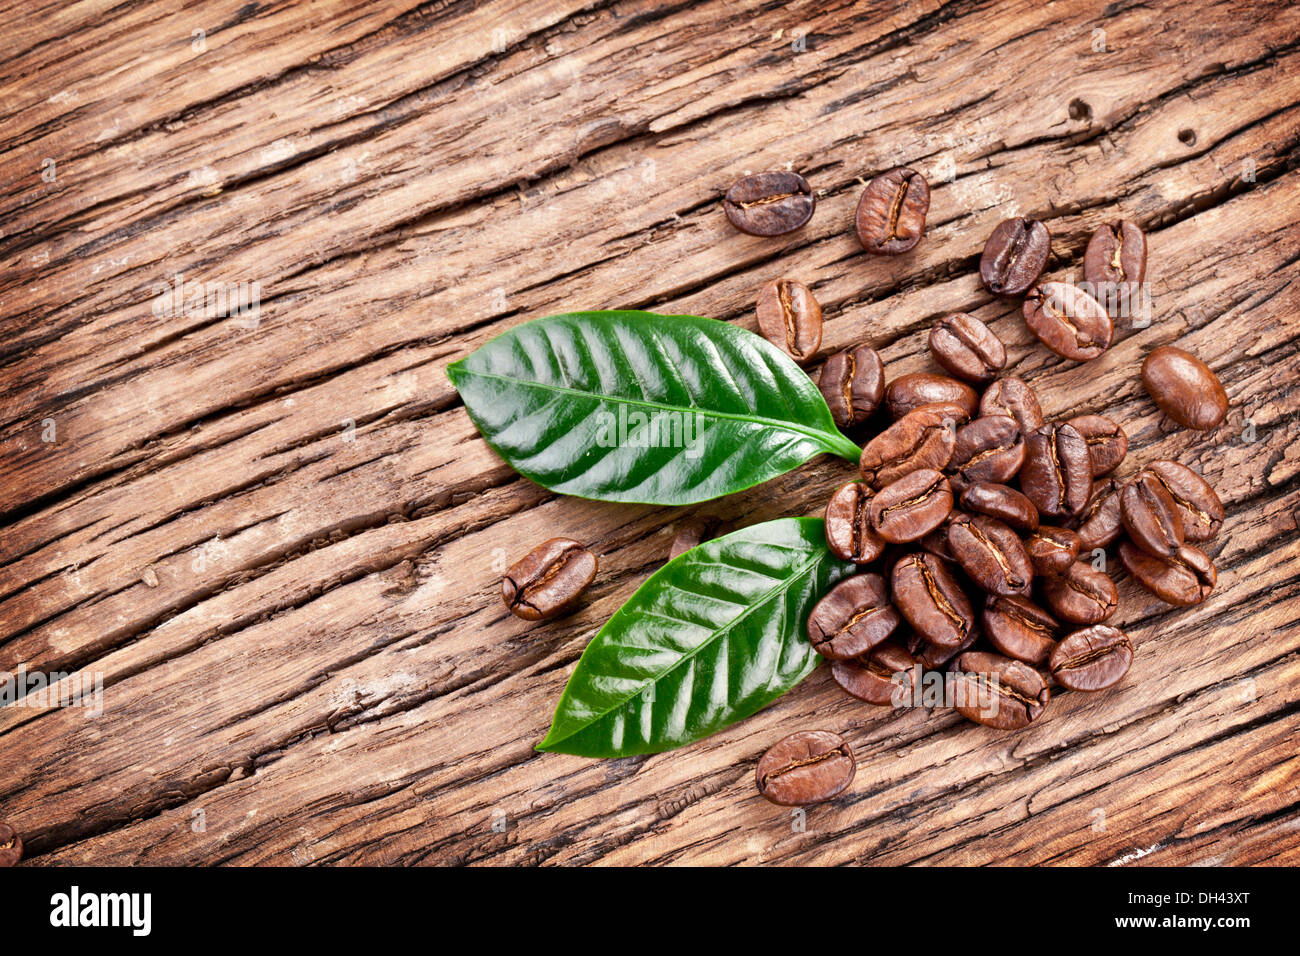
x,y
999,501
1057,473
1198,505
879,675
1019,628
909,507
991,554
1186,578
1068,321
1150,516
1107,443
909,392
11,846
999,692
988,449
547,581
1014,257
848,524
967,348
692,533
770,204
1184,388
1092,659
1101,520
1010,396
933,657
929,597
853,383
1051,550
852,618
890,218
920,439
810,766
936,542
1081,595
1115,262
790,318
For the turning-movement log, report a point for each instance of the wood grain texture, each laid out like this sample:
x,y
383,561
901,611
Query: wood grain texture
x,y
279,542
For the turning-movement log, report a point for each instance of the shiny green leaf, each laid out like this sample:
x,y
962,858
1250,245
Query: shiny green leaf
x,y
710,638
639,407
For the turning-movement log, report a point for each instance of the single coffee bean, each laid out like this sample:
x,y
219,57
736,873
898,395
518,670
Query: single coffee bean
x,y
692,533
1092,659
1010,396
1107,443
999,692
1057,473
1068,321
967,348
1081,595
1019,628
1115,262
852,618
1184,388
790,318
1052,550
988,449
877,676
920,439
1150,516
999,501
769,204
890,217
853,383
1101,520
935,542
1014,257
11,846
848,524
1198,505
991,554
807,767
547,581
1186,578
909,392
909,507
929,597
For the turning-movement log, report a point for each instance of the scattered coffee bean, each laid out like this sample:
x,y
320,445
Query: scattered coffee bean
x,y
807,767
1186,578
999,501
1184,387
1081,595
1107,443
790,318
1068,321
929,597
1101,520
1019,628
548,581
692,533
770,204
922,438
1198,505
848,524
999,692
991,554
890,217
909,392
877,676
11,846
967,348
852,618
853,383
1150,516
1052,550
988,449
1010,396
909,507
1115,262
1014,257
1057,473
1092,659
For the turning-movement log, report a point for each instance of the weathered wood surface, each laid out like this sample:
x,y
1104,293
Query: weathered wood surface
x,y
304,655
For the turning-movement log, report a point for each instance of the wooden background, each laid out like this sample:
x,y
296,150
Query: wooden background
x,y
280,545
